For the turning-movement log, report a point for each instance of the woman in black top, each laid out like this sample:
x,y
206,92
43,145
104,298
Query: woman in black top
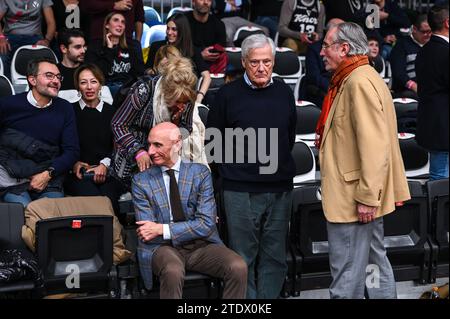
x,y
178,34
118,61
90,172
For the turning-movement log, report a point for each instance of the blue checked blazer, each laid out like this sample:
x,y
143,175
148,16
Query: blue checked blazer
x,y
151,203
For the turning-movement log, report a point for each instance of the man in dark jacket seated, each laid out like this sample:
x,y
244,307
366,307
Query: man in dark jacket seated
x,y
38,136
314,85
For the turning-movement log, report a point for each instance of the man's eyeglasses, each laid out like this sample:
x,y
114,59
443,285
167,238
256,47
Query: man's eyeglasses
x,y
51,76
256,63
326,46
425,31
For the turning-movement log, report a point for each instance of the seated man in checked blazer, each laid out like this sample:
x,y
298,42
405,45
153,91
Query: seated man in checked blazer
x,y
176,213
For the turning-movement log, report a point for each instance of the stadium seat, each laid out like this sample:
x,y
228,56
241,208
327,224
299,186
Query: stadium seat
x,y
156,33
307,116
438,210
145,39
406,111
11,222
415,158
6,88
178,10
203,113
21,58
287,66
2,70
305,163
243,32
78,245
70,96
297,87
405,239
151,16
234,58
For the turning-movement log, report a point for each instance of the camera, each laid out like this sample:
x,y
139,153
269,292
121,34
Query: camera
x,y
311,37
87,175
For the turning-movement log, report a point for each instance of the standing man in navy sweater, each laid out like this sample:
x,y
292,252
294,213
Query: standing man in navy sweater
x,y
50,121
257,189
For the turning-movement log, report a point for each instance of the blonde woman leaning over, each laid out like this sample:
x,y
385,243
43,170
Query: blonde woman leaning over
x,y
167,97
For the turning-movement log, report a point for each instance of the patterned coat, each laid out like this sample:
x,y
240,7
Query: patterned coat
x,y
151,203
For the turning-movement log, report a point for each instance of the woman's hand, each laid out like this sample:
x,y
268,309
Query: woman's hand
x,y
143,160
77,168
100,172
109,43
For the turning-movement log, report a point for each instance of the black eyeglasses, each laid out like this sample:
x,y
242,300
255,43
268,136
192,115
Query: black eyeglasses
x,y
51,76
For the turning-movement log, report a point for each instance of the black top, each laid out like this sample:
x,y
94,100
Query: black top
x,y
238,106
67,73
433,86
197,60
94,132
208,33
117,65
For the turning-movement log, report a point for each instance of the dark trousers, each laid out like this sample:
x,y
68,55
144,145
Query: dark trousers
x,y
170,263
112,189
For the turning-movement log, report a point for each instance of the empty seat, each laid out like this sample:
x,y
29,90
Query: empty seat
x,y
6,88
406,111
11,222
234,58
438,210
151,16
307,116
415,158
287,66
244,32
21,58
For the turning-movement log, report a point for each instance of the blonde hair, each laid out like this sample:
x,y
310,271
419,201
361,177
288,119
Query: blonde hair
x,y
178,80
122,39
166,51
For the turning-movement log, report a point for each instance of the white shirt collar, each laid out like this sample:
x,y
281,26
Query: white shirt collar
x,y
32,101
99,106
421,45
250,84
442,36
175,167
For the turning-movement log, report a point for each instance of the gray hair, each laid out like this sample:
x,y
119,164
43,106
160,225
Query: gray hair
x,y
354,35
256,41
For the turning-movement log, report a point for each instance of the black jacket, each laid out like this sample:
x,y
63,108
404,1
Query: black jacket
x,y
23,156
432,64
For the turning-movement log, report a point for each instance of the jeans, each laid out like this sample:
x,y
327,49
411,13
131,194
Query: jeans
x,y
438,165
270,22
16,41
26,197
257,230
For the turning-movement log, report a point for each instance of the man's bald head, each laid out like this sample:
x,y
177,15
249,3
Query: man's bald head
x,y
164,142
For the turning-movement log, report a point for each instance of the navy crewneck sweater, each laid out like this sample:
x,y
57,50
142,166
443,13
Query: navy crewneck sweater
x,y
54,125
237,105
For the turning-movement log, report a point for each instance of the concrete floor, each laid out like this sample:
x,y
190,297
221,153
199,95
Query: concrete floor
x,y
405,290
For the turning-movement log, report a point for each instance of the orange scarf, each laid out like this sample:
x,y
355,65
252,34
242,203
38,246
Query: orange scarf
x,y
341,73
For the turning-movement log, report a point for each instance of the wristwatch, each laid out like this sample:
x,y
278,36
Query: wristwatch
x,y
51,171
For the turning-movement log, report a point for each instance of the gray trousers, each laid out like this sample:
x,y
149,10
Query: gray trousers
x,y
358,261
